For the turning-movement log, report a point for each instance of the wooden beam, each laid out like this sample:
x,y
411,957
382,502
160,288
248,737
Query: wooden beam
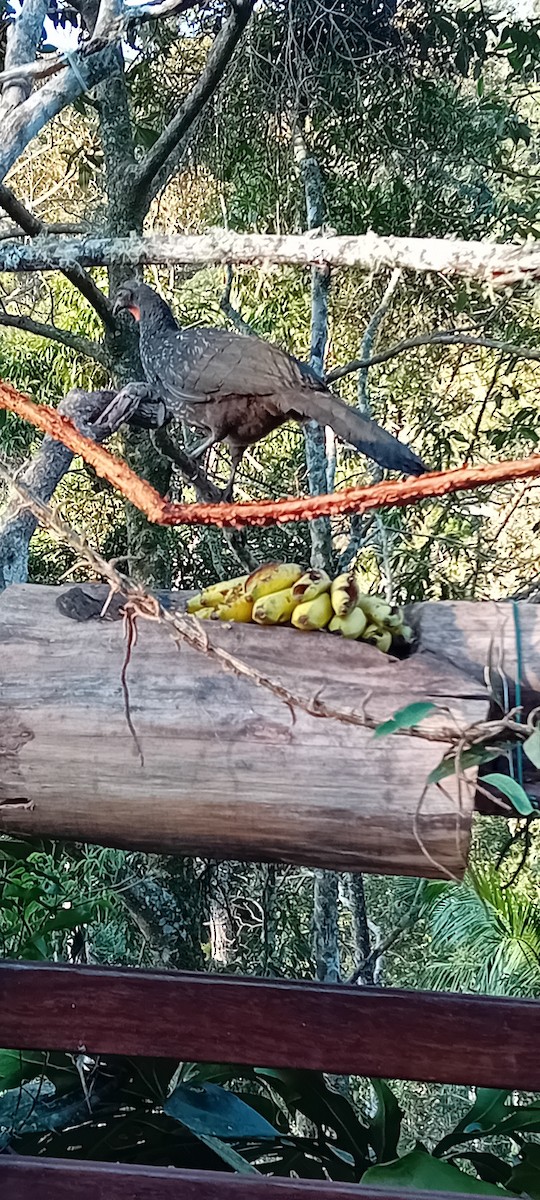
x,y
57,1179
229,770
435,1037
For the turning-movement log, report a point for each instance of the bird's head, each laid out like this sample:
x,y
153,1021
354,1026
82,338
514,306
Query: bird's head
x,y
128,298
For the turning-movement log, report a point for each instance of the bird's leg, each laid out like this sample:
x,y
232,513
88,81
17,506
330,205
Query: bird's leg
x,y
237,453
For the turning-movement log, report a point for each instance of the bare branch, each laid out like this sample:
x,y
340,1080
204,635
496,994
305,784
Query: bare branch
x,y
65,337
230,311
23,36
450,338
41,106
11,230
494,263
155,164
84,283
369,338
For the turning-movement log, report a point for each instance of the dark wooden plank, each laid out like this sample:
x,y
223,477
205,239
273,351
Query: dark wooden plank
x,y
54,1179
430,1036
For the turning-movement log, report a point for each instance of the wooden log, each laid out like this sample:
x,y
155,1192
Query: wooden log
x,y
436,1037
230,771
67,1179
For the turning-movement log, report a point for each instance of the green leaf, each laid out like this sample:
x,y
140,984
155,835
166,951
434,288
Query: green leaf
x,y
230,1156
525,1177
406,718
470,758
308,1093
513,790
532,747
488,1108
385,1124
208,1109
420,1170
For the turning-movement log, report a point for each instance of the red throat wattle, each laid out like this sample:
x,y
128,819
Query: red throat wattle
x,y
135,311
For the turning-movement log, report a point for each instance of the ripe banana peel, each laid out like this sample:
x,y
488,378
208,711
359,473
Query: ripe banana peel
x,y
271,577
275,609
310,585
313,614
281,593
351,626
345,593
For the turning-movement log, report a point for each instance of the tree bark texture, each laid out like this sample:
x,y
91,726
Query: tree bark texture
x,y
228,771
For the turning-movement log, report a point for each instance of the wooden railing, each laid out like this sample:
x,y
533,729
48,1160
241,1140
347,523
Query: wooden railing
x,y
430,1036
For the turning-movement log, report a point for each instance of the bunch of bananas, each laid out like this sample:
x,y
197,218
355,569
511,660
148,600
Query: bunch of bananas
x,y
282,594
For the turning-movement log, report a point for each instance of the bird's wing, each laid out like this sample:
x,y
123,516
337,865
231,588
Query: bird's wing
x,y
196,364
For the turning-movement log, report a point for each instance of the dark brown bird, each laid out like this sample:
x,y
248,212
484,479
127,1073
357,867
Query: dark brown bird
x,y
237,389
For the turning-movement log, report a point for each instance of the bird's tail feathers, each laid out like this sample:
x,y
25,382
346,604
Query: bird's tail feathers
x,y
365,435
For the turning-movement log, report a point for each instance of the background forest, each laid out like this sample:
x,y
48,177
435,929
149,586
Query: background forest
x,y
418,118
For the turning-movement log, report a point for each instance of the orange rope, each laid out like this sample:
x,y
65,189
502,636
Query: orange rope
x,y
259,512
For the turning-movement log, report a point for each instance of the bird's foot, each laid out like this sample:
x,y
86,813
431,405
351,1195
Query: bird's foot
x,y
135,404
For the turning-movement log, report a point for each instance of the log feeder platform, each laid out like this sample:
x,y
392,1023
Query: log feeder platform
x,y
228,769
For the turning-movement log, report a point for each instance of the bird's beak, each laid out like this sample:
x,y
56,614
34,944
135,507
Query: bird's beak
x,y
118,306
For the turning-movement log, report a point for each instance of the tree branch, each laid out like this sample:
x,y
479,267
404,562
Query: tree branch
x,y
155,163
23,35
450,338
42,476
11,230
491,262
65,337
41,106
80,279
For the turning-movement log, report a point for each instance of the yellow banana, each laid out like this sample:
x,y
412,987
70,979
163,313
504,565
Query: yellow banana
x,y
311,585
204,614
271,577
351,626
275,609
382,641
194,603
216,593
376,609
395,620
313,614
236,606
345,593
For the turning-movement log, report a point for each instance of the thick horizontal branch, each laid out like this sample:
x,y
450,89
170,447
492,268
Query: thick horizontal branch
x,y
65,337
443,338
491,262
263,512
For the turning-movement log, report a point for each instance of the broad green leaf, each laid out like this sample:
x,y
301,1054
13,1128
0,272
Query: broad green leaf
x,y
308,1093
470,758
490,1107
406,718
420,1170
385,1124
532,747
525,1177
513,790
230,1156
208,1109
